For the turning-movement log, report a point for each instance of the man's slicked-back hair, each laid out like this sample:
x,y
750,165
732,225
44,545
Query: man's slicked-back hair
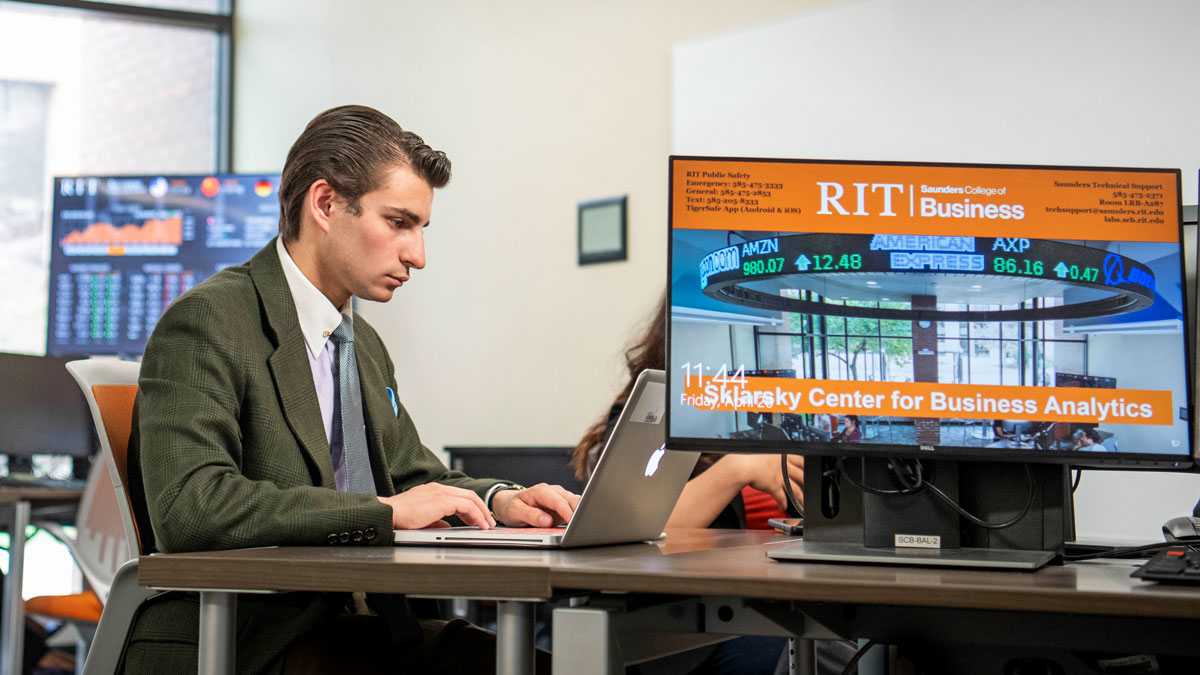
x,y
351,147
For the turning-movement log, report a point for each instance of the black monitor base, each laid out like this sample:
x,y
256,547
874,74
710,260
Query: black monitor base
x,y
992,558
1024,514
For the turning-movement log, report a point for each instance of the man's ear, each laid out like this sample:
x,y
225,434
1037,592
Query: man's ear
x,y
319,204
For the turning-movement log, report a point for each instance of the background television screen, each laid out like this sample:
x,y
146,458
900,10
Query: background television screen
x,y
123,247
940,305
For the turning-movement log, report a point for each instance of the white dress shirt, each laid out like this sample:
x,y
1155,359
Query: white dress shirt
x,y
318,319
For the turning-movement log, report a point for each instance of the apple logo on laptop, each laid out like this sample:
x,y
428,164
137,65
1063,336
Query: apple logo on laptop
x,y
655,458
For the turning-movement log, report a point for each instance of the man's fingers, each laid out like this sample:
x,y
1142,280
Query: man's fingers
x,y
471,510
519,511
553,501
572,498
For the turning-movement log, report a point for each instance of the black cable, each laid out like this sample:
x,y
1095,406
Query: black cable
x,y
921,485
852,664
979,521
911,478
1075,483
787,486
868,489
1127,551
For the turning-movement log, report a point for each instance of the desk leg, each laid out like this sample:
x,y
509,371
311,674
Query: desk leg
x,y
12,642
514,638
875,661
218,612
802,656
585,642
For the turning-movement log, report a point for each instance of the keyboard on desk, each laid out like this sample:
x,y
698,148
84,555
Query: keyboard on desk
x,y
1180,565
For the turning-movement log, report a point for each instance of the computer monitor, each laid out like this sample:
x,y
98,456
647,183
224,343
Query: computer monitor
x,y
936,302
123,247
42,411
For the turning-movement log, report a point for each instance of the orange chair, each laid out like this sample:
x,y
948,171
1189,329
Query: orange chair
x,y
110,387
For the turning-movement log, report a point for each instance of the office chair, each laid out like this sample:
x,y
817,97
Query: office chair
x,y
98,548
110,387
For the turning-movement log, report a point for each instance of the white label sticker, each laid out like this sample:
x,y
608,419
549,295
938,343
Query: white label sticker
x,y
652,404
918,541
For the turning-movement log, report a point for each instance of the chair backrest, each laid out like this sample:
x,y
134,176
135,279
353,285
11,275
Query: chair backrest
x,y
110,387
100,546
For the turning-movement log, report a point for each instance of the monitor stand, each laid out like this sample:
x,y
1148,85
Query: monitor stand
x,y
995,558
844,524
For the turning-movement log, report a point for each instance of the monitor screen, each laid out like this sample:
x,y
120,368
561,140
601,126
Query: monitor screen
x,y
1023,313
43,411
123,247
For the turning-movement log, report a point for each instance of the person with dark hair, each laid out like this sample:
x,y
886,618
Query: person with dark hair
x,y
714,497
718,495
1002,431
1089,439
851,431
267,415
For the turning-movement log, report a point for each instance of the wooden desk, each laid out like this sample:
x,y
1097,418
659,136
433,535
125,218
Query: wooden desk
x,y
1092,605
517,578
19,501
1086,605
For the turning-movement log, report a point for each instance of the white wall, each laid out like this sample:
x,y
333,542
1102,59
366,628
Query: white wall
x,y
1074,82
540,104
1079,82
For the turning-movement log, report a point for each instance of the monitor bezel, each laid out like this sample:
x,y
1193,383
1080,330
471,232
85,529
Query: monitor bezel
x,y
1085,459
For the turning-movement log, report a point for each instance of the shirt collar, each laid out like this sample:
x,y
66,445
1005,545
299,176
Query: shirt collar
x,y
317,315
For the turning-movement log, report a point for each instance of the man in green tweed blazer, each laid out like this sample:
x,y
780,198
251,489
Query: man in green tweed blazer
x,y
231,444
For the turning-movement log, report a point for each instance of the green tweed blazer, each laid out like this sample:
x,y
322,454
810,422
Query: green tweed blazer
x,y
228,450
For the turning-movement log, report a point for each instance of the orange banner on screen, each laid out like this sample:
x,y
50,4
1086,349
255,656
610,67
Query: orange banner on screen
x,y
929,399
978,201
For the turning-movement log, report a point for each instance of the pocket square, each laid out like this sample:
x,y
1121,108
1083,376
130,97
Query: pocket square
x,y
395,403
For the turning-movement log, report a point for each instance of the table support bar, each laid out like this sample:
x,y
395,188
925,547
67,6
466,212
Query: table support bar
x,y
584,642
514,638
802,656
14,604
218,614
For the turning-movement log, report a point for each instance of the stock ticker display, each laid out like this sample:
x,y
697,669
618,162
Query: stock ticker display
x,y
124,247
825,254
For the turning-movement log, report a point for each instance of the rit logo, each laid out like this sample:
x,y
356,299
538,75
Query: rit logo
x,y
880,198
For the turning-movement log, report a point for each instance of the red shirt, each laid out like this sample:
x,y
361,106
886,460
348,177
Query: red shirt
x,y
760,506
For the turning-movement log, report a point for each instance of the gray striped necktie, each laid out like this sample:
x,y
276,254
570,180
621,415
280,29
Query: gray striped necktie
x,y
354,431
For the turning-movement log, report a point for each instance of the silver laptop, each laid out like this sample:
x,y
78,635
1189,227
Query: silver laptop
x,y
629,497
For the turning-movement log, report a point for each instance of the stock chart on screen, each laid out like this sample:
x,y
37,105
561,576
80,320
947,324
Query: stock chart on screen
x,y
124,247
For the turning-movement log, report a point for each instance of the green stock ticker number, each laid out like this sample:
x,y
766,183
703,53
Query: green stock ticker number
x,y
1065,271
1014,266
763,266
820,262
